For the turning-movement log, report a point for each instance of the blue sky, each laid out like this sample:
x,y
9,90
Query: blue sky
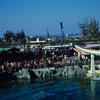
x,y
36,16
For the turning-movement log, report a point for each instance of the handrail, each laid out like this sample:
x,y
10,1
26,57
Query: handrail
x,y
90,51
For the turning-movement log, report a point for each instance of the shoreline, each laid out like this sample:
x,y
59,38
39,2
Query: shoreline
x,y
26,73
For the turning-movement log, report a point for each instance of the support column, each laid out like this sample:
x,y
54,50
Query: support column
x,y
79,55
92,64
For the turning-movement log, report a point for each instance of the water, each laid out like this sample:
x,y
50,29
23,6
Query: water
x,y
55,88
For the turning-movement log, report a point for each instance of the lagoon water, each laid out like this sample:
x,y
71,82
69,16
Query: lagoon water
x,y
55,88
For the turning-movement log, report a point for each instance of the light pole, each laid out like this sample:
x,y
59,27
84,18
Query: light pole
x,y
62,34
48,37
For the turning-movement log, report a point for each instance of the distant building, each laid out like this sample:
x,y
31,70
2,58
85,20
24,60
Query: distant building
x,y
73,37
36,43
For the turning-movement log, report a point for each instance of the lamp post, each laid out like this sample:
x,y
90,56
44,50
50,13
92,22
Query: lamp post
x,y
48,37
62,34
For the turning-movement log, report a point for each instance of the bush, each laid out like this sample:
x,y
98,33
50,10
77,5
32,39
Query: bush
x,y
58,66
88,68
79,64
96,68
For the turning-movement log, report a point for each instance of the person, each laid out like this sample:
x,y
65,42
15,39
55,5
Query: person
x,y
80,58
4,68
40,61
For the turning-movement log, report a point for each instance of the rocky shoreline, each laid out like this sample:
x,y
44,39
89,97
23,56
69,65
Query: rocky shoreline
x,y
26,73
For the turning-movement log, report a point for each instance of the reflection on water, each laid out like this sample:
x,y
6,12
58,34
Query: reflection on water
x,y
55,88
93,87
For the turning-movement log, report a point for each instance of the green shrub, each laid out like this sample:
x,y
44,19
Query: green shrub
x,y
79,64
88,68
58,66
96,68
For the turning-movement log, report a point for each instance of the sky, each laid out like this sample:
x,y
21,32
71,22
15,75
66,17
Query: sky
x,y
36,16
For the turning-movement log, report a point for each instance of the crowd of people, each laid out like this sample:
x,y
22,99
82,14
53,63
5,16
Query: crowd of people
x,y
37,59
40,58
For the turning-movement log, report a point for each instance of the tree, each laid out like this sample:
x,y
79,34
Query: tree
x,y
84,29
90,30
20,36
9,36
93,29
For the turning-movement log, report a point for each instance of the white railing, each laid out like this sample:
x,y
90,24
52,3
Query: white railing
x,y
92,52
